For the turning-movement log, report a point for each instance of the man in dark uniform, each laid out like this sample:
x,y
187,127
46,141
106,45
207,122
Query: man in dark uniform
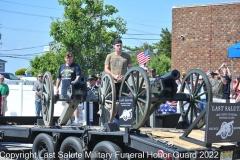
x,y
153,73
92,86
68,73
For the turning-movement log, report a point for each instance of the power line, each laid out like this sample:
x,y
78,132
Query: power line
x,y
20,56
135,38
8,11
23,48
26,30
151,7
29,5
143,24
26,58
30,54
140,31
148,21
141,39
141,34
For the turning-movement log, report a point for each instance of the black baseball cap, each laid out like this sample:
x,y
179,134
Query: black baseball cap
x,y
153,70
68,54
117,41
92,77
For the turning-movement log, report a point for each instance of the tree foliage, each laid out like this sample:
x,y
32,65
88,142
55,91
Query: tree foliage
x,y
87,29
164,46
138,49
20,71
161,63
134,59
160,51
49,61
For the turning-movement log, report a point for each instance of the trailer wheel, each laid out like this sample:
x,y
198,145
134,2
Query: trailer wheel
x,y
43,147
71,148
106,148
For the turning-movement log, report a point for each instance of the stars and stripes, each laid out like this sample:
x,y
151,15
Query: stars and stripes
x,y
143,57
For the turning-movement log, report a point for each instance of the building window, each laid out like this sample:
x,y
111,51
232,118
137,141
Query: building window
x,y
1,67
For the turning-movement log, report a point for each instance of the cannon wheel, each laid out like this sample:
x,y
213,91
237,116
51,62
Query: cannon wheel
x,y
107,98
47,99
189,108
137,85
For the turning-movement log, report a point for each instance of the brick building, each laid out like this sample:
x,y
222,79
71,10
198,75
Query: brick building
x,y
201,35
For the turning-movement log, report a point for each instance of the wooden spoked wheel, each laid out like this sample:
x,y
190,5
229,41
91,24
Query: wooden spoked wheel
x,y
198,89
107,98
137,85
47,99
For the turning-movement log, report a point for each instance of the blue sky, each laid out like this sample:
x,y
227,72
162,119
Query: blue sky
x,y
25,24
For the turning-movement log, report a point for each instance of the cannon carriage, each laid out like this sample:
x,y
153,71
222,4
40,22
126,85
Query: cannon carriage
x,y
147,93
77,93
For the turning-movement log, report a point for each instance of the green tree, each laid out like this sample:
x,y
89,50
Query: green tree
x,y
88,30
161,63
49,61
160,51
140,48
164,46
20,71
134,59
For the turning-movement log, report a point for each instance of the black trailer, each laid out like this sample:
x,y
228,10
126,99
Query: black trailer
x,y
139,97
112,142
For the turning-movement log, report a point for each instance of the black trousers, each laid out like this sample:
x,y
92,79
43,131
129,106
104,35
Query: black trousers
x,y
117,87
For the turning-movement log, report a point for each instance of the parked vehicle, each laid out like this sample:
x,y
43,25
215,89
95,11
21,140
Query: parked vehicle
x,y
9,76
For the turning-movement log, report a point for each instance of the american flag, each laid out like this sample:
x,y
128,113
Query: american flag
x,y
143,57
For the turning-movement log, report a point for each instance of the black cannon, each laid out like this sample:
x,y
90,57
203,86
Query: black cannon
x,y
78,93
149,93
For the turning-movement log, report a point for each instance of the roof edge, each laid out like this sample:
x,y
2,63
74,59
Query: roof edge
x,y
204,5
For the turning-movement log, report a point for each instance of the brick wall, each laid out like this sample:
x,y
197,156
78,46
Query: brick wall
x,y
208,30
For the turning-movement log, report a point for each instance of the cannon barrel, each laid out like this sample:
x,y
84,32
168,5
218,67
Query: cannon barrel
x,y
166,84
170,76
80,82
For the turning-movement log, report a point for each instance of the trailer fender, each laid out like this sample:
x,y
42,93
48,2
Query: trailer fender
x,y
44,147
71,147
106,148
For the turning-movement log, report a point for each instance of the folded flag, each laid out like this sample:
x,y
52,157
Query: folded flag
x,y
166,108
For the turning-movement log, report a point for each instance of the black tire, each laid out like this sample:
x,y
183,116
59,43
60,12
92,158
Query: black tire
x,y
71,145
106,147
44,148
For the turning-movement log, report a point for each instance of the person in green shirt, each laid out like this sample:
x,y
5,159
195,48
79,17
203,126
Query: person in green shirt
x,y
5,92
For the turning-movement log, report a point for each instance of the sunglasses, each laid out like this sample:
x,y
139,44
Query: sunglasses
x,y
40,76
